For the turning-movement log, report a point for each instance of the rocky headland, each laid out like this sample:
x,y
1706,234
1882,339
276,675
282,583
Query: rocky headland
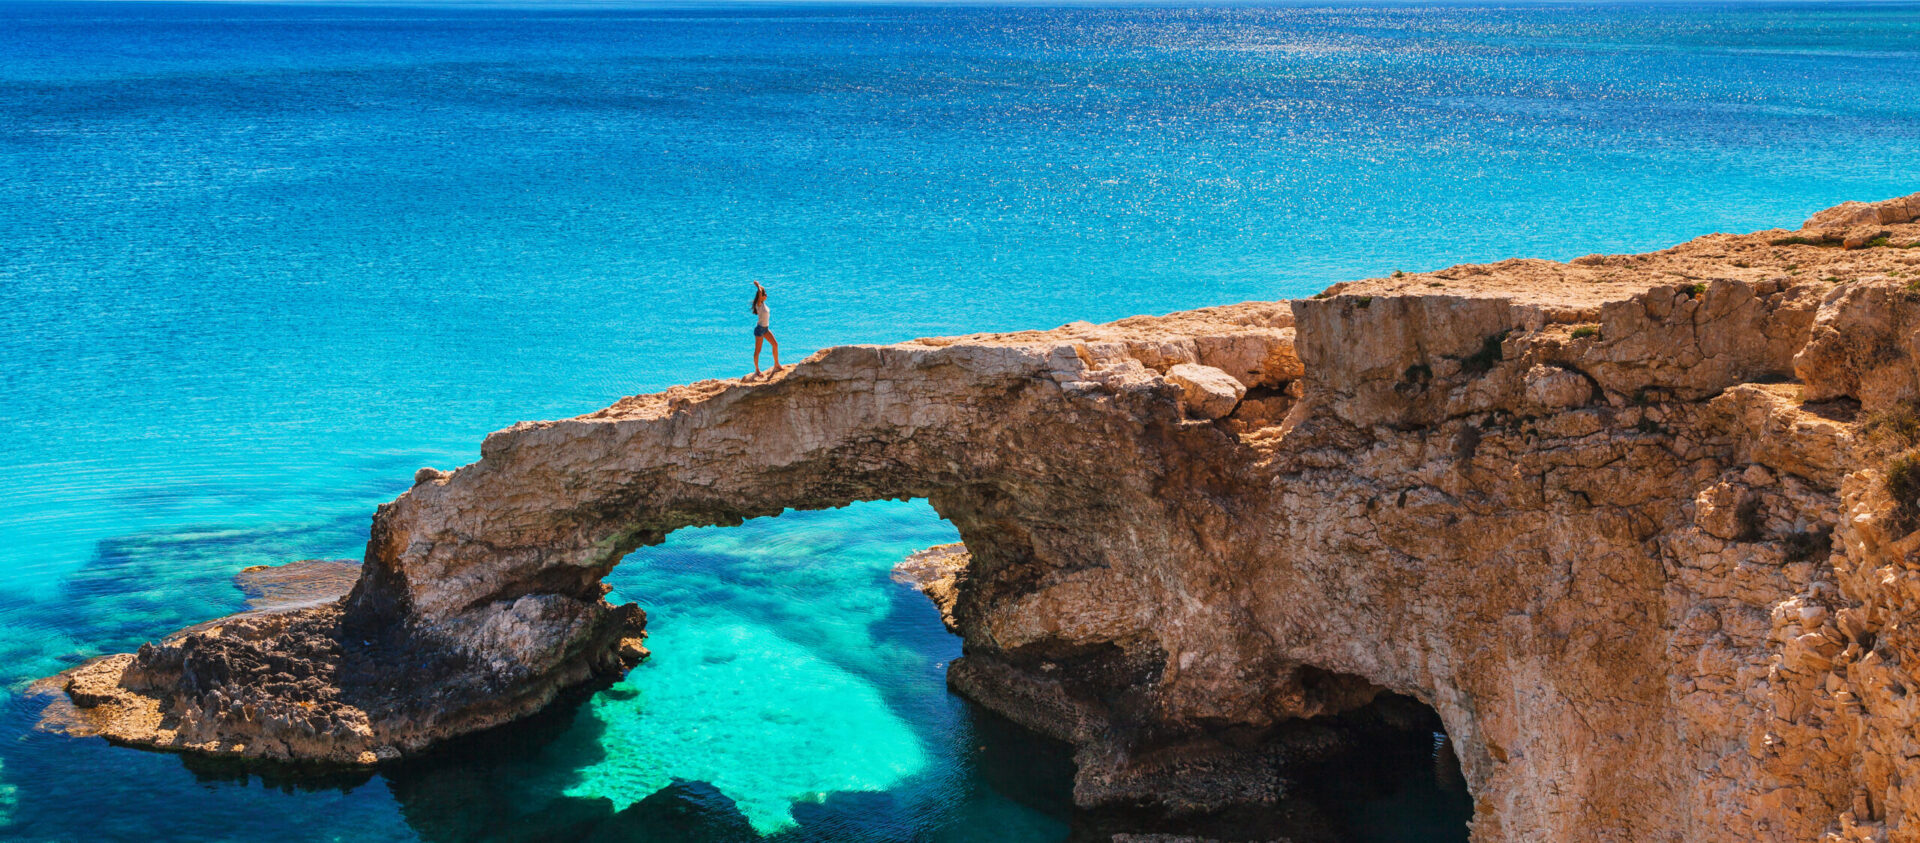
x,y
1639,528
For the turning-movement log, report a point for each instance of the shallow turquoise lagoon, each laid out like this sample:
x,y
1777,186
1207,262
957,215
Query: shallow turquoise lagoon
x,y
259,263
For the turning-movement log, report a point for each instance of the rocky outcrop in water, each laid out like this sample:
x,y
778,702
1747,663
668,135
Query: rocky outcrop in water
x,y
1638,527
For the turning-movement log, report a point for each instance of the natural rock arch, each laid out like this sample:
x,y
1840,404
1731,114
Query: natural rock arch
x,y
1582,510
1003,437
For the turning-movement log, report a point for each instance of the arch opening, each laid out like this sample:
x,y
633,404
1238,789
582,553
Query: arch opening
x,y
803,629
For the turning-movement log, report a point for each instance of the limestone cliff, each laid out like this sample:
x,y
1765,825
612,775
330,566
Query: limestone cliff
x,y
1637,527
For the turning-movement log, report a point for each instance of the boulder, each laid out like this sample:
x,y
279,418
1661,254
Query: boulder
x,y
1206,392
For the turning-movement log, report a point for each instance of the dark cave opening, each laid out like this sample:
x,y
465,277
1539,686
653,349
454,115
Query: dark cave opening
x,y
1381,773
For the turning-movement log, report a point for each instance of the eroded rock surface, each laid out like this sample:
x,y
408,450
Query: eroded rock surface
x,y
936,572
1622,522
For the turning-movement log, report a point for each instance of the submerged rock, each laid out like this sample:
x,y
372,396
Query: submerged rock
x,y
1624,523
308,582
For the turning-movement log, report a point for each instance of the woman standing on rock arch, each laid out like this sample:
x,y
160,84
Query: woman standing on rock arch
x,y
763,332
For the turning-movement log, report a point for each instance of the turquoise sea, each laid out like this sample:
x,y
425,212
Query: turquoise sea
x,y
260,262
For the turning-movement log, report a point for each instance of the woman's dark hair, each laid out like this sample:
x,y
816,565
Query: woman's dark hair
x,y
758,294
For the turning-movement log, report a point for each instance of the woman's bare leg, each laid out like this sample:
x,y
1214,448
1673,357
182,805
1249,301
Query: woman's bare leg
x,y
776,352
757,340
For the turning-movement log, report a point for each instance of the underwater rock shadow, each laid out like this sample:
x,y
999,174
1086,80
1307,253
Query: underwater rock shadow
x,y
468,788
682,812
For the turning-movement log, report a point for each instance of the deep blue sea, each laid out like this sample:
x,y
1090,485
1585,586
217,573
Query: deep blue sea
x,y
259,263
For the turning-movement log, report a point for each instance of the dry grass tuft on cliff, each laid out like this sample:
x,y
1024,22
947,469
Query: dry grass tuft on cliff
x,y
1903,486
1895,428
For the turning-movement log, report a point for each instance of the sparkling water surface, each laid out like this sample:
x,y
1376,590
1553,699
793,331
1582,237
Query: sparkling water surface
x,y
258,263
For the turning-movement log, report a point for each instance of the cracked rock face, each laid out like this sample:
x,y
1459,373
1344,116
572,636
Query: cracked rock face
x,y
1622,522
